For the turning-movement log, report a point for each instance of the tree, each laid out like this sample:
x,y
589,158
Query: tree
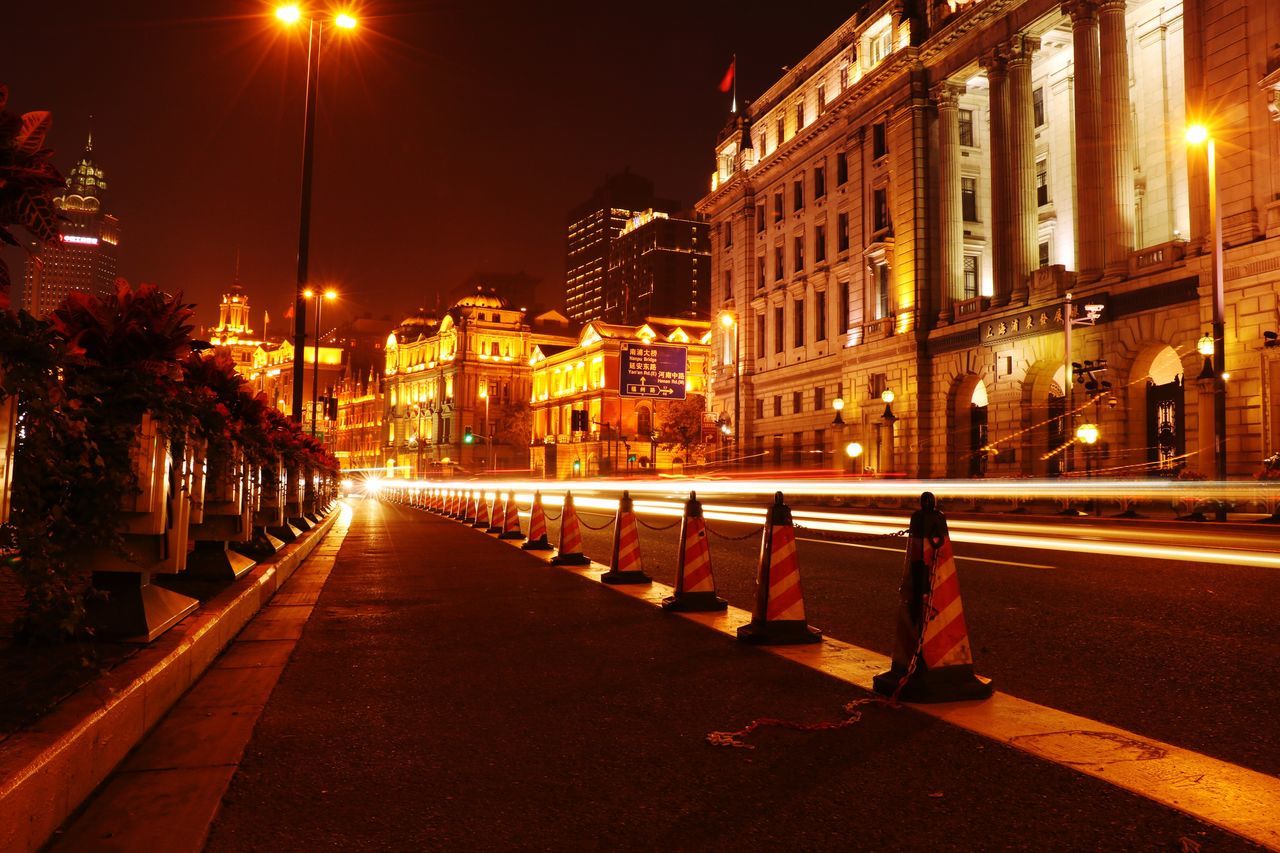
x,y
681,425
28,180
513,423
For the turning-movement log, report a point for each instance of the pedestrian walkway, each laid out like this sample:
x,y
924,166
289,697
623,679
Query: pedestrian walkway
x,y
450,691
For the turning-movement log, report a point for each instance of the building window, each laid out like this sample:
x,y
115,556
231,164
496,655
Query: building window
x,y
728,285
797,316
781,125
778,322
966,128
879,141
797,402
842,169
880,208
777,405
759,336
778,271
799,115
970,276
819,244
969,199
881,45
880,290
728,235
844,77
1037,105
1044,253
777,205
760,218
644,422
820,316
822,98
1042,182
759,409
846,307
819,398
842,232
760,272
797,195
819,181
797,251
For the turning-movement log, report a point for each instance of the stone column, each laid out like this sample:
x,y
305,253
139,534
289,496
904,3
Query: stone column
x,y
1024,213
1088,109
994,64
950,210
1117,137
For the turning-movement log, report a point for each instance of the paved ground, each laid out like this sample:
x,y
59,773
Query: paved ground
x,y
449,692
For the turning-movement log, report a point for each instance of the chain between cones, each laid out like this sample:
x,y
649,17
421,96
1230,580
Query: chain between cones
x,y
643,523
837,536
589,527
755,531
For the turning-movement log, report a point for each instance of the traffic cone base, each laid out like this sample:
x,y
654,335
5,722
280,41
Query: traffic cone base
x,y
574,559
947,684
619,578
694,602
537,545
779,632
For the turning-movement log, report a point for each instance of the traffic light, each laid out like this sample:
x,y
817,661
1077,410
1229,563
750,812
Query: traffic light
x,y
631,457
467,436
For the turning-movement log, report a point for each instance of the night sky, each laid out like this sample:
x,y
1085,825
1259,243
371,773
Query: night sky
x,y
452,137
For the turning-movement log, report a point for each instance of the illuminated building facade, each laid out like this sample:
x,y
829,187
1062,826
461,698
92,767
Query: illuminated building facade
x,y
466,370
593,227
907,208
271,374
233,333
357,435
583,376
659,265
85,260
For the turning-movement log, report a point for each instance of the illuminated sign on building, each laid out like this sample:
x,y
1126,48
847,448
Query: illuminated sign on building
x,y
653,370
76,238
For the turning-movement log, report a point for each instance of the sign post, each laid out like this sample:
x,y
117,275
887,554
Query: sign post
x,y
653,370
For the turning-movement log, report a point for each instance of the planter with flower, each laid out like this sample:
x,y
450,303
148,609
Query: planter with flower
x,y
1270,476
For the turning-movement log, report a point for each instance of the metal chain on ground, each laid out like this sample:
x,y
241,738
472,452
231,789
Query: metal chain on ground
x,y
549,517
836,536
851,709
753,532
589,527
643,523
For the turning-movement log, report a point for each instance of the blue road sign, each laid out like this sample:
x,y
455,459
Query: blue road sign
x,y
653,370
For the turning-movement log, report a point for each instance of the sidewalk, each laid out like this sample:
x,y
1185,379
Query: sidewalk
x,y
451,692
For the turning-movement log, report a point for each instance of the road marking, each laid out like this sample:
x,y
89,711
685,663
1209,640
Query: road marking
x,y
1237,799
899,551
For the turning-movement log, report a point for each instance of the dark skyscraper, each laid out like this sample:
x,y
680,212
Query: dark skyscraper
x,y
659,266
593,227
84,259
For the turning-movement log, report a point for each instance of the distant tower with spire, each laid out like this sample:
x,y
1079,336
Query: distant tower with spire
x,y
233,333
85,258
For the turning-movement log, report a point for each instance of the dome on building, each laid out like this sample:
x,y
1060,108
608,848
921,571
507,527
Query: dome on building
x,y
418,323
480,299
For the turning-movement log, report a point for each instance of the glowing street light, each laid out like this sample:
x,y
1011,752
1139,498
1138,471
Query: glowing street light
x,y
854,451
289,15
729,321
1199,134
1088,433
838,405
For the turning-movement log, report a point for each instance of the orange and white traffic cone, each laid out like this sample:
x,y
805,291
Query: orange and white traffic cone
x,y
497,520
932,659
448,504
570,552
482,512
695,585
624,567
778,618
537,527
469,515
511,519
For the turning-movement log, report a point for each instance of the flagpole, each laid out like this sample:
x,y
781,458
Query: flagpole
x,y
734,107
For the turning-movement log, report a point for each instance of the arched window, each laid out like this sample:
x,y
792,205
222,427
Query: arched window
x,y
644,422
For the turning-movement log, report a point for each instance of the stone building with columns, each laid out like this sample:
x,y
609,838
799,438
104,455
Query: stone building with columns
x,y
909,207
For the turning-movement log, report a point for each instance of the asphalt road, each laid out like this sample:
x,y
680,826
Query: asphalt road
x,y
450,693
1188,653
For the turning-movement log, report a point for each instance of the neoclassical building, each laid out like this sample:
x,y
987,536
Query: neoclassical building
x,y
925,202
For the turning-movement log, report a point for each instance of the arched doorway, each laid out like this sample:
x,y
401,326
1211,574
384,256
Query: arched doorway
x,y
1056,423
969,428
1166,419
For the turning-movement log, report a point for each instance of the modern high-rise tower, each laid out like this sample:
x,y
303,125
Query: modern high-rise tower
x,y
593,227
85,257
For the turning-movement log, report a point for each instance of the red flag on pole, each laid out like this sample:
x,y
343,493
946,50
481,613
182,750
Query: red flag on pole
x,y
727,82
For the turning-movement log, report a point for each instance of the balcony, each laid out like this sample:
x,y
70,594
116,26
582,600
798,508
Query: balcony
x,y
971,307
877,329
1157,258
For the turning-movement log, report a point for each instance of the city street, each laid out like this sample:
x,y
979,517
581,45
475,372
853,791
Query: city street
x,y
450,691
1179,651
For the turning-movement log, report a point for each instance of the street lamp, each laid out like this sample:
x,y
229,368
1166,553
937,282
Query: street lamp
x,y
838,405
886,458
729,320
330,294
1087,434
1198,134
289,15
488,430
854,451
1205,347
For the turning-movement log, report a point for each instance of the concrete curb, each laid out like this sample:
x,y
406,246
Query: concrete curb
x,y
49,769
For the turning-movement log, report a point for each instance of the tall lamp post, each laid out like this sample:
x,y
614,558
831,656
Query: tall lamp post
x,y
889,418
730,322
292,14
1198,134
488,429
330,295
854,451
